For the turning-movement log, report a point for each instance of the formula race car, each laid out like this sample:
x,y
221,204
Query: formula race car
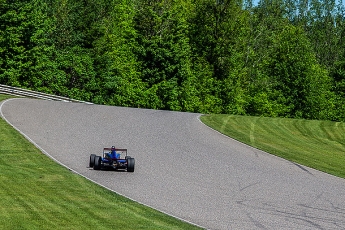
x,y
112,158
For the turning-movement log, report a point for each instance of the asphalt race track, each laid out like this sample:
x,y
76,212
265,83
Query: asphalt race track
x,y
184,168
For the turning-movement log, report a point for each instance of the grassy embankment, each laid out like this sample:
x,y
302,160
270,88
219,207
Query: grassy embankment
x,y
37,193
317,144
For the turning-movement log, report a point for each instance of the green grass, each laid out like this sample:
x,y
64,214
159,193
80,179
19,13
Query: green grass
x,y
316,144
4,97
37,193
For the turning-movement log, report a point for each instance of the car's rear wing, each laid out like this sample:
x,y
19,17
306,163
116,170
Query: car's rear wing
x,y
109,149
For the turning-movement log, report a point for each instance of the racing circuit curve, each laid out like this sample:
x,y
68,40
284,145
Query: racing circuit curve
x,y
184,168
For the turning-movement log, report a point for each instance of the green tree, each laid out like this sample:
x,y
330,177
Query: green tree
x,y
216,27
75,28
339,90
221,34
164,53
117,64
323,31
23,44
301,83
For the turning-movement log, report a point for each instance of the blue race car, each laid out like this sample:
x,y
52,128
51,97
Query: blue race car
x,y
112,158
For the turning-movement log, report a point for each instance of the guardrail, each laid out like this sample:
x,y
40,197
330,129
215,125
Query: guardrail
x,y
5,89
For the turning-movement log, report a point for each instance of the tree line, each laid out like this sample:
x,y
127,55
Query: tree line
x,y
278,58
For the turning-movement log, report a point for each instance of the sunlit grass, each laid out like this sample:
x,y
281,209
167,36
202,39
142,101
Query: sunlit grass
x,y
317,144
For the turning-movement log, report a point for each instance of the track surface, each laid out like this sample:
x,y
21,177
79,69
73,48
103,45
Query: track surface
x,y
184,168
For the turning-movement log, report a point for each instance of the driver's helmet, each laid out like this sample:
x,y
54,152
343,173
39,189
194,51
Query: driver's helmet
x,y
112,149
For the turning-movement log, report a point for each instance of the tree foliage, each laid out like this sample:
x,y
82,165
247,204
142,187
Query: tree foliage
x,y
279,58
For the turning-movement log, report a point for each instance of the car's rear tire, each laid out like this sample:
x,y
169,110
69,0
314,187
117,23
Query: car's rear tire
x,y
97,163
130,164
92,160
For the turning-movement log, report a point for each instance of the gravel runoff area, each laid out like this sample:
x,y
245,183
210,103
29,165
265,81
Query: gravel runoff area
x,y
184,168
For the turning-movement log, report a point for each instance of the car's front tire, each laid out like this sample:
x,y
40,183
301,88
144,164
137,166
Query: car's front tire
x,y
98,163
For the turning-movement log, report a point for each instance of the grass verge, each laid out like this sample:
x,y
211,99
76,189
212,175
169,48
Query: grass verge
x,y
37,193
316,144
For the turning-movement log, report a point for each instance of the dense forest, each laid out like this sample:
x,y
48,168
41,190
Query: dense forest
x,y
276,58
